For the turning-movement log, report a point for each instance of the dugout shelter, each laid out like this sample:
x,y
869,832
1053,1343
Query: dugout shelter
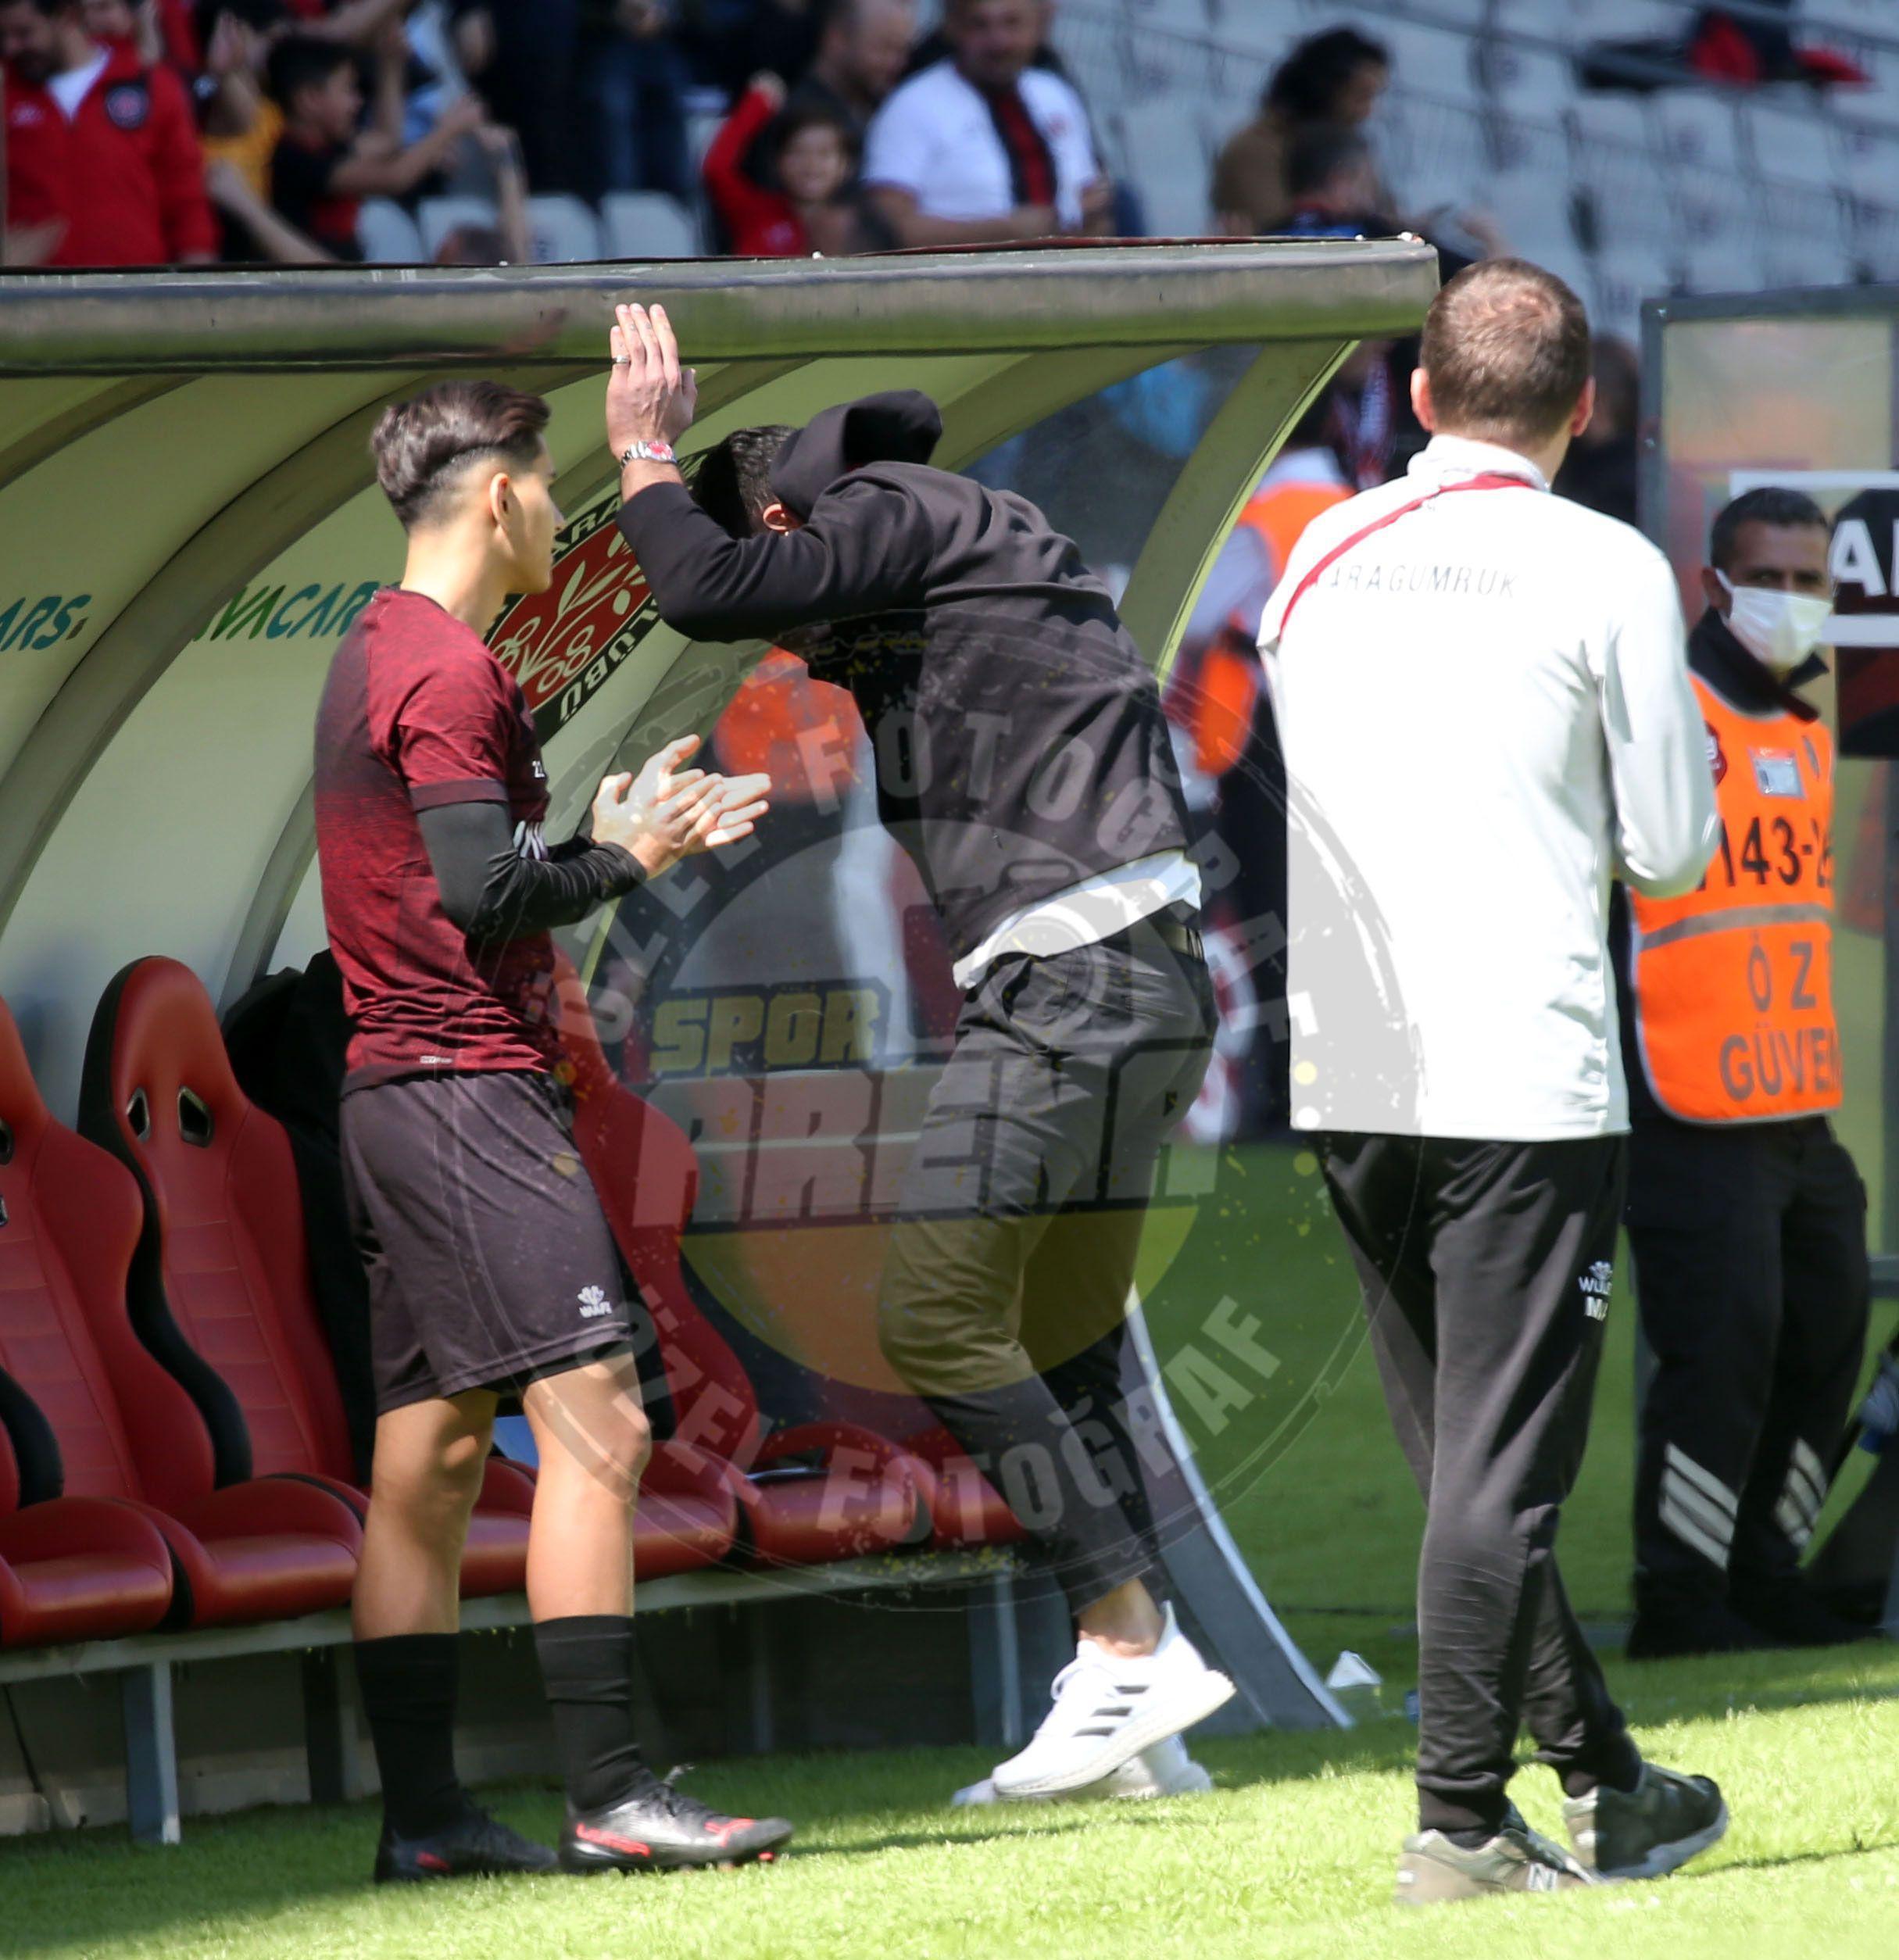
x,y
191,523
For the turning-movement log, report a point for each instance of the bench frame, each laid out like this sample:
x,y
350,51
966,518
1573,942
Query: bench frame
x,y
1007,1617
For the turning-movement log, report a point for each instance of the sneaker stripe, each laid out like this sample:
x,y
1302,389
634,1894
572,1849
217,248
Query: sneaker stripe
x,y
610,1841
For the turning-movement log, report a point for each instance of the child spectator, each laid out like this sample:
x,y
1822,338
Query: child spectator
x,y
808,155
325,163
240,123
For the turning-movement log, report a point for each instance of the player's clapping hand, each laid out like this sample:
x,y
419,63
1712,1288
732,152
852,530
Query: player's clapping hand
x,y
668,811
650,398
732,813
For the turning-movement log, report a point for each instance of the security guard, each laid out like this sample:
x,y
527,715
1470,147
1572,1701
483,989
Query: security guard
x,y
1745,1215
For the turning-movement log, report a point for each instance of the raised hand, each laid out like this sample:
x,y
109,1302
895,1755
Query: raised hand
x,y
650,398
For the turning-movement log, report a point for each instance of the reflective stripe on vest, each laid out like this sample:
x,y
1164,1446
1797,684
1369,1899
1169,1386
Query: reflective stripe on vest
x,y
1733,981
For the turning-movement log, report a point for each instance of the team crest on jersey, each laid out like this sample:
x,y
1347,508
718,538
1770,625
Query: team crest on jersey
x,y
128,104
1776,772
1717,760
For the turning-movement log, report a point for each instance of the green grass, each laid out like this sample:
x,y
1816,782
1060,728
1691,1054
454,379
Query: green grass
x,y
1292,1855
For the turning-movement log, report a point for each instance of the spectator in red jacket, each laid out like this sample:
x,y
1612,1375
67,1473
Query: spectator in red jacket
x,y
807,157
103,166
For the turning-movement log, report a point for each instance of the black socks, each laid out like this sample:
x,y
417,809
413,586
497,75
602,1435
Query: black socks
x,y
409,1683
587,1665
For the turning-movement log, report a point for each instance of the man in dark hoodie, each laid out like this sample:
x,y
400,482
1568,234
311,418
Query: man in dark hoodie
x,y
1023,761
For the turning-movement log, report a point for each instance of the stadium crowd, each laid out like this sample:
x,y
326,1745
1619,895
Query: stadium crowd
x,y
145,132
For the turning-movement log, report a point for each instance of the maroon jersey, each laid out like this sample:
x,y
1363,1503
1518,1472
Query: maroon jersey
x,y
416,713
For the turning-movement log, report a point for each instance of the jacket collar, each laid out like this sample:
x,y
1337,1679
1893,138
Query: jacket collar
x,y
1445,458
1742,682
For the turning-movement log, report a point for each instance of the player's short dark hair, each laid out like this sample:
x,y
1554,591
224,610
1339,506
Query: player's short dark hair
x,y
1771,504
1507,349
1305,87
418,445
1318,152
732,483
302,61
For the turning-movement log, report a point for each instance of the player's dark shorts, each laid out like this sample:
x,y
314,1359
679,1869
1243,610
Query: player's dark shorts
x,y
490,1261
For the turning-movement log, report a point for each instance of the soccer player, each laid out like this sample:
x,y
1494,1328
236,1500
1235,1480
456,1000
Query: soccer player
x,y
1482,698
1024,762
491,1267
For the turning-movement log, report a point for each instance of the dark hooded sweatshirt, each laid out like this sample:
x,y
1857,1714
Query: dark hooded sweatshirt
x,y
1018,735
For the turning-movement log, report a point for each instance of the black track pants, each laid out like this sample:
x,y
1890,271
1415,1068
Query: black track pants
x,y
1005,1291
1749,1244
1485,1272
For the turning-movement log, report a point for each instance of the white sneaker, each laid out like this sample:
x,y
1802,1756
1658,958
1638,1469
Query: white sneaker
x,y
1108,1708
1165,1770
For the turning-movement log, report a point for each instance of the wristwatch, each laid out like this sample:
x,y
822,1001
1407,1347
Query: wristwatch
x,y
648,453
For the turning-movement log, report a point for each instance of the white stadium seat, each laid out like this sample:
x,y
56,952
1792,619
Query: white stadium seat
x,y
1166,155
438,217
1582,21
648,224
564,230
1430,61
1715,207
1803,255
1434,153
1789,147
388,233
1869,156
1612,154
1722,265
1534,83
1624,275
1698,129
1533,206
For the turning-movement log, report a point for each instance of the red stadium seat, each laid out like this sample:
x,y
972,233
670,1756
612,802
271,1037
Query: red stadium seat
x,y
814,1491
969,1510
93,1417
220,1290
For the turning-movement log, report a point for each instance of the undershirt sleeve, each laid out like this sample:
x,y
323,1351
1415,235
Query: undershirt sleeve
x,y
494,895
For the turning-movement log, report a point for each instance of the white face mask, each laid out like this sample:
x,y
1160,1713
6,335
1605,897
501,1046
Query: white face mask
x,y
1779,629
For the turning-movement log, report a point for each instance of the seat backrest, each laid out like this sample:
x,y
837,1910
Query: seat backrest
x,y
564,231
220,1290
643,1168
77,1382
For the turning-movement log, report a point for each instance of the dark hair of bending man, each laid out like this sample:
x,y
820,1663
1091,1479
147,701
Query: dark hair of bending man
x,y
1462,642
1048,826
491,1268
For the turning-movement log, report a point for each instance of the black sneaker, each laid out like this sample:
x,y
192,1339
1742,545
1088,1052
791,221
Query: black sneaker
x,y
1663,1633
1791,1616
475,1846
659,1828
1646,1832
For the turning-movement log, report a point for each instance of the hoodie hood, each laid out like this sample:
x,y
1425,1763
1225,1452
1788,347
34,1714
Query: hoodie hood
x,y
903,426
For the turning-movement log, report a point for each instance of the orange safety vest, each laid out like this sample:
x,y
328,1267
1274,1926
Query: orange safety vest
x,y
1733,981
1227,686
